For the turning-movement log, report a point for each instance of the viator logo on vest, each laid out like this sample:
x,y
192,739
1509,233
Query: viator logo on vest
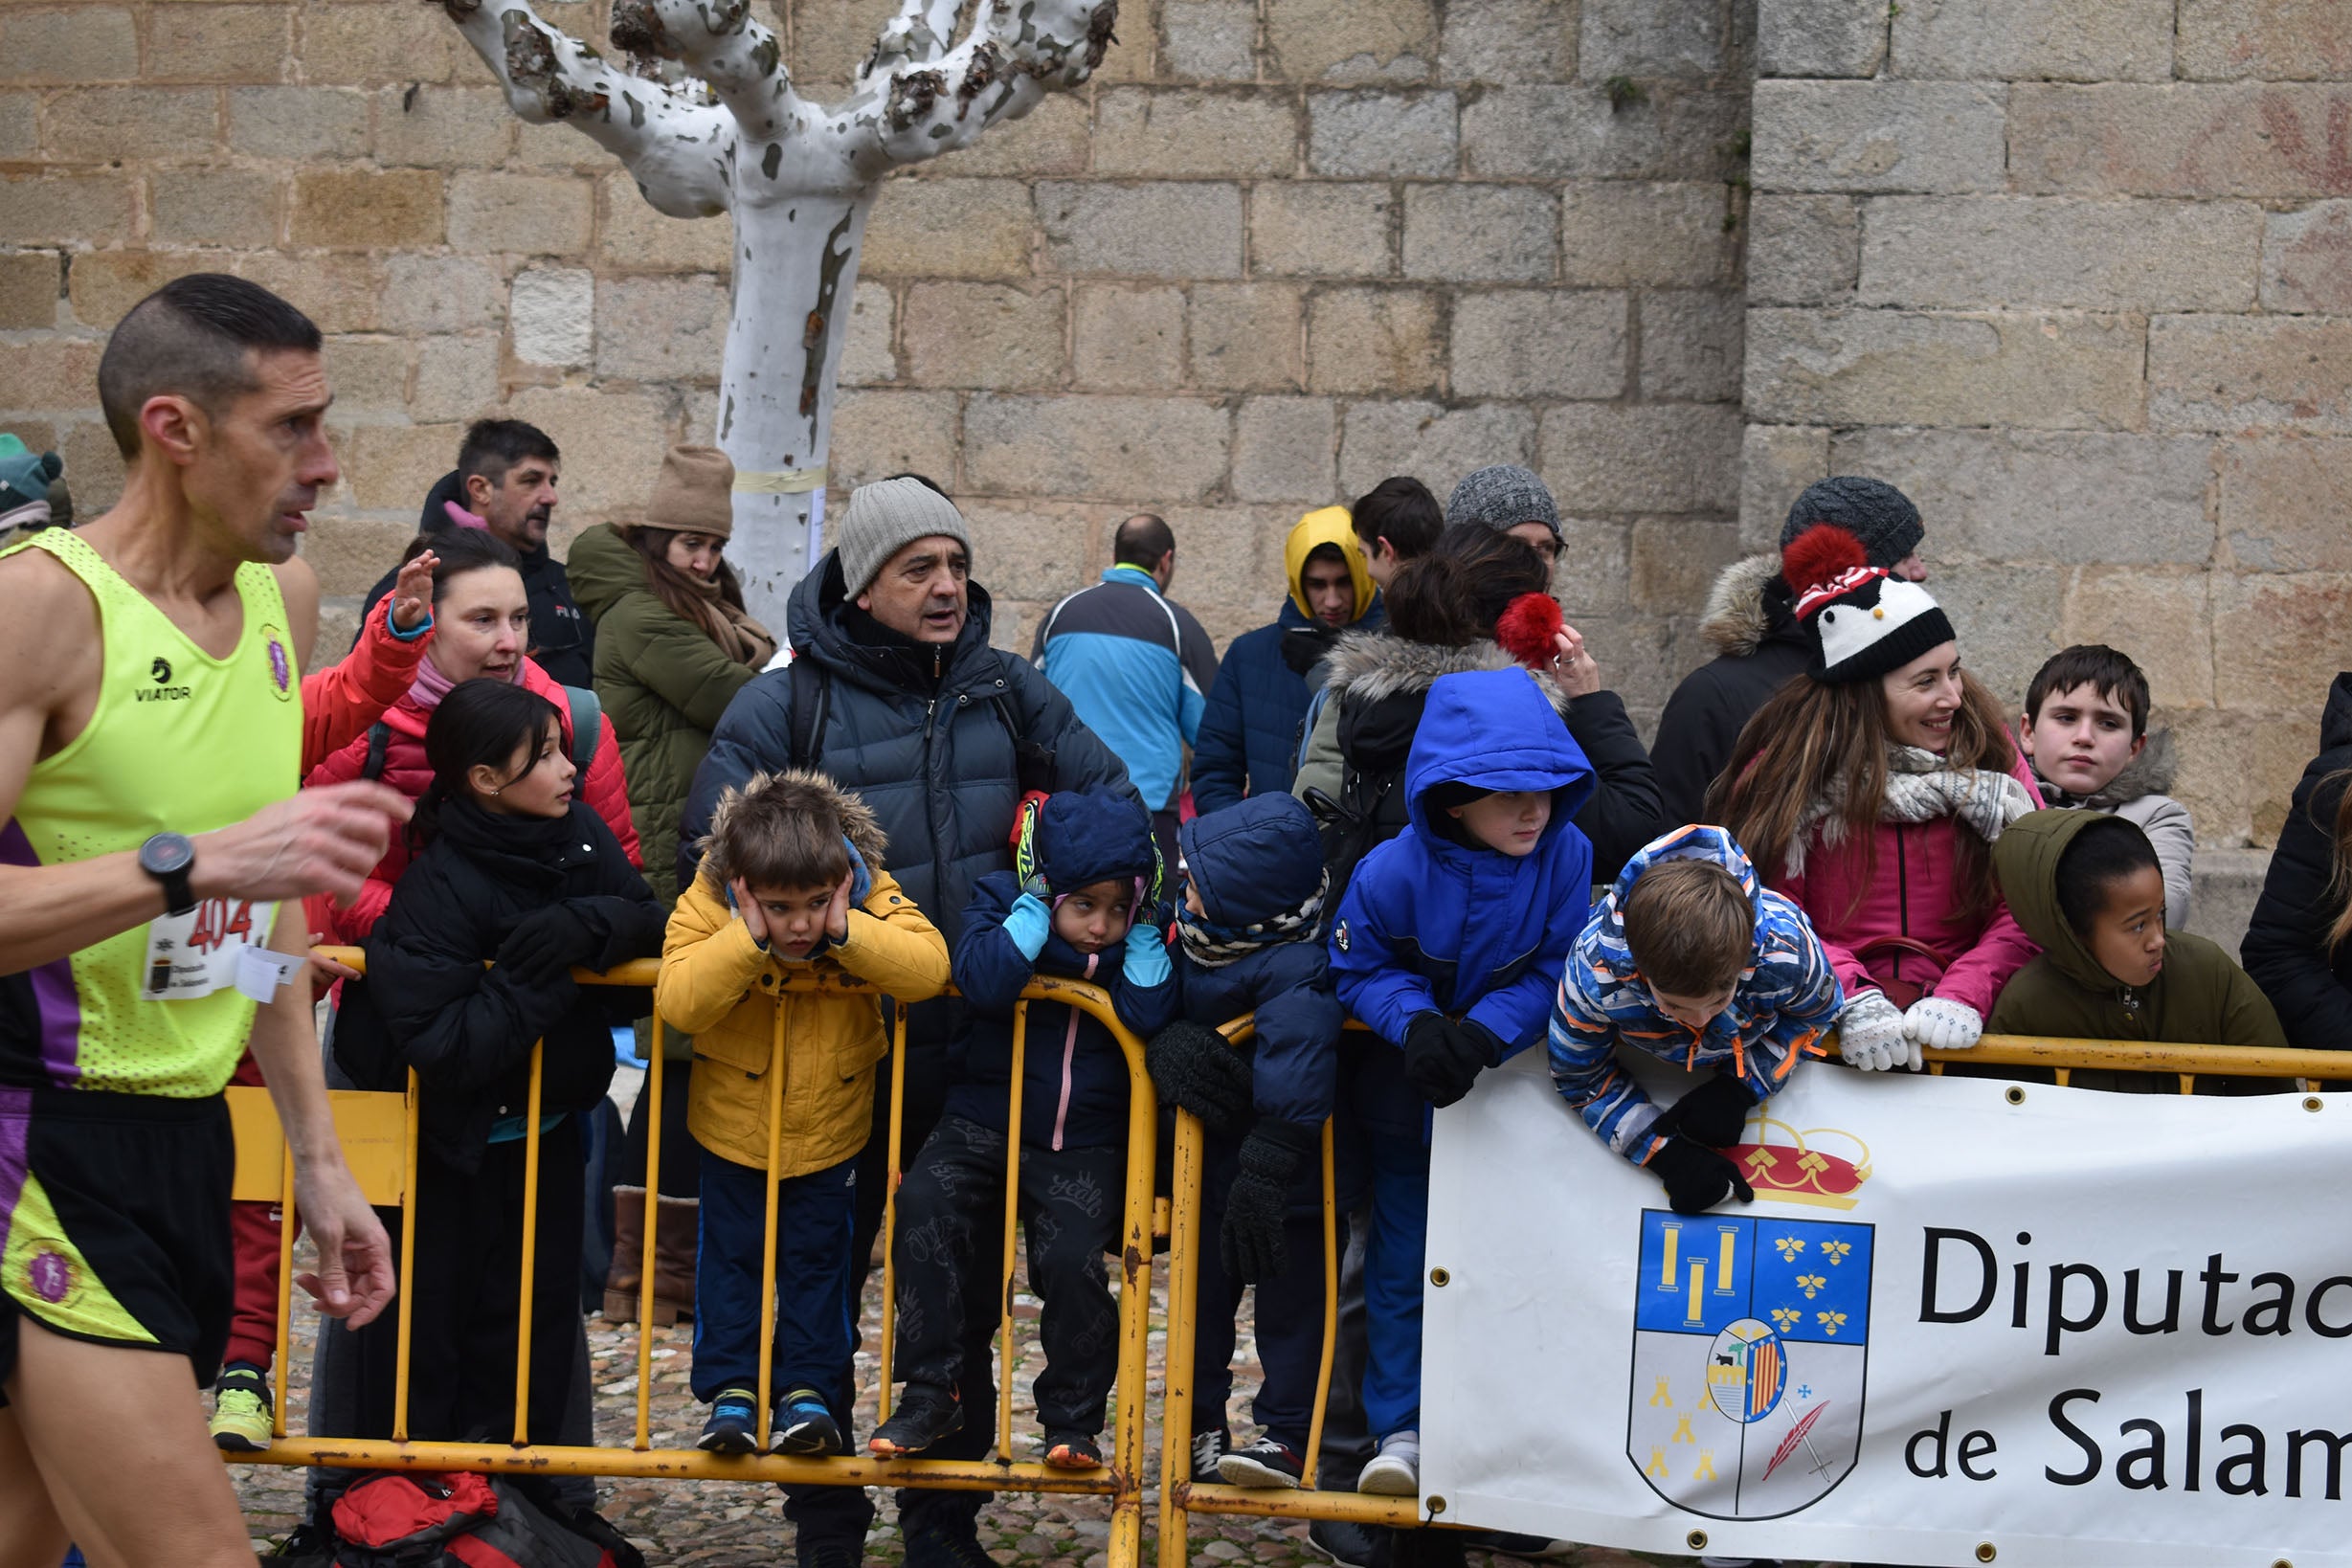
x,y
163,691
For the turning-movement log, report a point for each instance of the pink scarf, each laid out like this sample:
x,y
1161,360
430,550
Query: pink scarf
x,y
431,685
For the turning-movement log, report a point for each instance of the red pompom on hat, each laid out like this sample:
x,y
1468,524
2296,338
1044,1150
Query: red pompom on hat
x,y
1528,628
1823,552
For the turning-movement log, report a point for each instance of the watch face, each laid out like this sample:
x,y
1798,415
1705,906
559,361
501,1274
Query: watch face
x,y
166,854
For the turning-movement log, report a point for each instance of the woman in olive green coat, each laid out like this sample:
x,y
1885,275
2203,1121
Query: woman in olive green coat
x,y
673,647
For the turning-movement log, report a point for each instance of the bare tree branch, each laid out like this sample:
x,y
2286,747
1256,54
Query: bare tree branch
x,y
679,147
720,42
918,34
1011,58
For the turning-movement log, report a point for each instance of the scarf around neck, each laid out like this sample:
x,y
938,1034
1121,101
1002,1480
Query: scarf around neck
x,y
1922,787
1212,946
431,685
739,637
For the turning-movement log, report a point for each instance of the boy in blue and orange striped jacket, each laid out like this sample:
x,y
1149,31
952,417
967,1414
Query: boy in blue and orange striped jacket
x,y
1693,960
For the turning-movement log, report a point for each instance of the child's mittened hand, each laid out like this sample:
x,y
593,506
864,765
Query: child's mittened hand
x,y
546,943
1027,923
1938,1023
1195,1067
1698,1179
746,909
1715,1114
1145,960
1443,1058
1871,1033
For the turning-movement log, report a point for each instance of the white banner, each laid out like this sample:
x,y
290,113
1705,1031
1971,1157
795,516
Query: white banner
x,y
2081,1329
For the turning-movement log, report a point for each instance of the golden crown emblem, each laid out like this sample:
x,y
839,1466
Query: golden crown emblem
x,y
1825,1166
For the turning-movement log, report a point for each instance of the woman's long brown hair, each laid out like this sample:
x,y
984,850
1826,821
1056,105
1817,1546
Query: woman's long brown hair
x,y
684,597
2340,879
1815,740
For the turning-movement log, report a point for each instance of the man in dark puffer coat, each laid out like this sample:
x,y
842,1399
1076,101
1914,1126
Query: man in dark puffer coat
x,y
934,729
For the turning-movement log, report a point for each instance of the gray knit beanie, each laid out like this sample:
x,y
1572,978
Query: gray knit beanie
x,y
1501,497
1872,511
886,516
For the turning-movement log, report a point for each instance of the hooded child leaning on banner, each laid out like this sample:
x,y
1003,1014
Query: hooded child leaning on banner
x,y
1692,960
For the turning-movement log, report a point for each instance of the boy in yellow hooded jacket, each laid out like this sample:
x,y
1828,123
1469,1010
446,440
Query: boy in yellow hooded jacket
x,y
792,883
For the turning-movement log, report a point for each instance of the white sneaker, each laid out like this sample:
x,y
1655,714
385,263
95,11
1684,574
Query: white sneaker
x,y
1395,1471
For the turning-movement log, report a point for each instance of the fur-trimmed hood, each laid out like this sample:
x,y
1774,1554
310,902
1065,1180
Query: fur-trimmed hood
x,y
1375,665
2150,773
813,791
1745,608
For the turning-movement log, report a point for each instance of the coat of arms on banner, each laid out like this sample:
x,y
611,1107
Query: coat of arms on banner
x,y
1751,1339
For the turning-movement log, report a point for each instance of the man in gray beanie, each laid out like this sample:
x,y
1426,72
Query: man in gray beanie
x,y
1509,500
1750,622
896,694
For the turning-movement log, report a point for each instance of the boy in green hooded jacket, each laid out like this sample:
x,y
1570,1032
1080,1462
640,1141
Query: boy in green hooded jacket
x,y
2089,889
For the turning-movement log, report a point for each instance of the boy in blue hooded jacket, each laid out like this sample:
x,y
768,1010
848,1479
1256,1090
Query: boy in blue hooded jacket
x,y
1082,903
1692,960
1251,935
1447,946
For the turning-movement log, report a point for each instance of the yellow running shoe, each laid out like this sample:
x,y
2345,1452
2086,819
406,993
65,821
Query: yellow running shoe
x,y
242,1409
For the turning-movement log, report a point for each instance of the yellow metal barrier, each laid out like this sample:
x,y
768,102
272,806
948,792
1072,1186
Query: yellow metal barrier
x,y
380,1134
1182,1495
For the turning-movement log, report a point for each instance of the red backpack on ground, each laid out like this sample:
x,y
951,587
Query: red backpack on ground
x,y
397,1519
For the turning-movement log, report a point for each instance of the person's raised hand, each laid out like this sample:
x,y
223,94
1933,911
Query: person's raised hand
x,y
836,911
412,593
746,909
354,1278
1573,665
322,840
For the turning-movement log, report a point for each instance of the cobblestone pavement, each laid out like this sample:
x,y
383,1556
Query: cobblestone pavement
x,y
724,1524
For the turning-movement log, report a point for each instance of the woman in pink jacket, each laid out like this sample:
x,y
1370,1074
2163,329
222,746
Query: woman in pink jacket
x,y
1869,790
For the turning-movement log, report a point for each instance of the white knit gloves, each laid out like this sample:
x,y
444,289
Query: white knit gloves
x,y
1941,1024
1871,1033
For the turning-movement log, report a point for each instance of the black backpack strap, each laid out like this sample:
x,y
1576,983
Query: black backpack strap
x,y
811,692
587,725
379,739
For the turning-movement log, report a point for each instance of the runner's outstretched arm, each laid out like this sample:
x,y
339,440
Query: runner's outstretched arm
x,y
355,1272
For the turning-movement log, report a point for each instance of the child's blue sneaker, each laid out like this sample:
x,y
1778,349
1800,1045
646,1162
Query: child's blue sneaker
x,y
733,1426
804,1425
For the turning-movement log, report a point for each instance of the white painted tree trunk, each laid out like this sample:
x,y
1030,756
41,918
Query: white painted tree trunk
x,y
799,181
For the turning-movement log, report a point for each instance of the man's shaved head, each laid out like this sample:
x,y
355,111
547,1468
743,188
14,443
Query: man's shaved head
x,y
196,337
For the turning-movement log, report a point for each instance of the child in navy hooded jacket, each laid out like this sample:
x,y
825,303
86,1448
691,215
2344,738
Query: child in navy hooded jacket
x,y
1252,935
1081,905
1449,945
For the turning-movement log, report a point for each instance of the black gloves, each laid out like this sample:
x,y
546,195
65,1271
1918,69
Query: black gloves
x,y
1698,1179
1443,1058
1713,1113
1198,1068
1260,1198
546,943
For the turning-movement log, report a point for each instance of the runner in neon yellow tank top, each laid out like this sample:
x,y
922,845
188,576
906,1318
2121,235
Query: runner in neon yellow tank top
x,y
149,736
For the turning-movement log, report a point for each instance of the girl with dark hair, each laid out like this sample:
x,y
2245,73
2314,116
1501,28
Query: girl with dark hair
x,y
1445,612
2299,947
516,885
1869,790
674,644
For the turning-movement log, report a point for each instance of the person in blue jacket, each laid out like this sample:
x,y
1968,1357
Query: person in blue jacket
x,y
1690,959
1082,903
1447,946
1251,938
1249,739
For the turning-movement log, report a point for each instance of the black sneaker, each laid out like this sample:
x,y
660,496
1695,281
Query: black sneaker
x,y
1347,1544
1073,1451
1208,1447
931,1547
835,1552
804,1425
733,1426
925,1415
1265,1463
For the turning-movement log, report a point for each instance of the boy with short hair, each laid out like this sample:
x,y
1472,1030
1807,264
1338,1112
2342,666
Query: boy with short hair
x,y
1690,959
2090,890
1444,946
1082,903
1251,936
792,883
2086,735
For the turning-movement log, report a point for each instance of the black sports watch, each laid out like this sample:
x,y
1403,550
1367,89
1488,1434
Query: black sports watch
x,y
169,858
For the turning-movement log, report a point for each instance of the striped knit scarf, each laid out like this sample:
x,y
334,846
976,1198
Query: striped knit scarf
x,y
1212,946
